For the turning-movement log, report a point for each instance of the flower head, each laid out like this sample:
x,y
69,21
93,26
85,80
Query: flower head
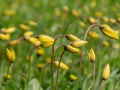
x,y
106,72
91,55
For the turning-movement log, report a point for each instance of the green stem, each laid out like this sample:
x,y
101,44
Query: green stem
x,y
56,88
93,72
52,61
101,85
29,64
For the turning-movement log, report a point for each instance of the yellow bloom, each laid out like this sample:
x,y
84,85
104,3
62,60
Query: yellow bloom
x,y
34,41
91,20
82,24
78,43
32,23
73,77
62,65
57,12
93,34
29,33
105,19
66,8
106,72
75,13
10,55
113,21
7,76
14,42
40,51
4,37
9,12
107,30
24,27
40,65
91,55
98,14
72,37
116,46
72,49
106,43
8,30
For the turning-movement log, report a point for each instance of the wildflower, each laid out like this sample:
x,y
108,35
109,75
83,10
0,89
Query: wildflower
x,y
98,14
57,12
75,13
24,27
72,49
32,23
106,72
62,65
91,55
107,30
4,37
82,24
40,51
73,77
10,55
45,40
7,76
29,33
66,8
72,37
78,43
34,41
8,30
106,43
14,42
105,19
116,46
93,34
91,20
40,65
113,21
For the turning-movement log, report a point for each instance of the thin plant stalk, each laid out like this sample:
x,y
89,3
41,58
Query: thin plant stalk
x,y
56,88
101,85
29,64
52,61
93,72
85,37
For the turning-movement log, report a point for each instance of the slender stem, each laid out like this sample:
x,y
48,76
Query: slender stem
x,y
56,88
52,61
85,37
59,46
29,64
101,85
93,72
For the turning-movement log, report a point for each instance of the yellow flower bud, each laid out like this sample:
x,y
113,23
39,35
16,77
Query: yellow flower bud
x,y
8,30
24,27
10,55
40,65
62,65
29,33
93,34
107,30
71,49
34,41
73,77
82,24
113,21
91,20
45,39
40,51
32,23
57,12
66,8
106,43
72,37
105,19
106,72
78,43
91,55
75,13
7,76
14,42
116,46
4,37
98,14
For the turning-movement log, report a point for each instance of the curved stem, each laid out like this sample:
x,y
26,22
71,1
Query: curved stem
x,y
101,85
29,64
93,72
59,46
85,37
56,88
52,61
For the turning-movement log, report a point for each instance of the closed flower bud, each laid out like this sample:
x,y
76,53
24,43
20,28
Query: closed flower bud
x,y
29,33
75,13
78,43
72,37
62,65
10,55
24,27
32,23
73,77
91,20
34,41
8,30
4,37
105,19
45,39
93,34
7,76
107,30
72,49
40,51
106,43
82,24
91,55
14,42
106,72
40,65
